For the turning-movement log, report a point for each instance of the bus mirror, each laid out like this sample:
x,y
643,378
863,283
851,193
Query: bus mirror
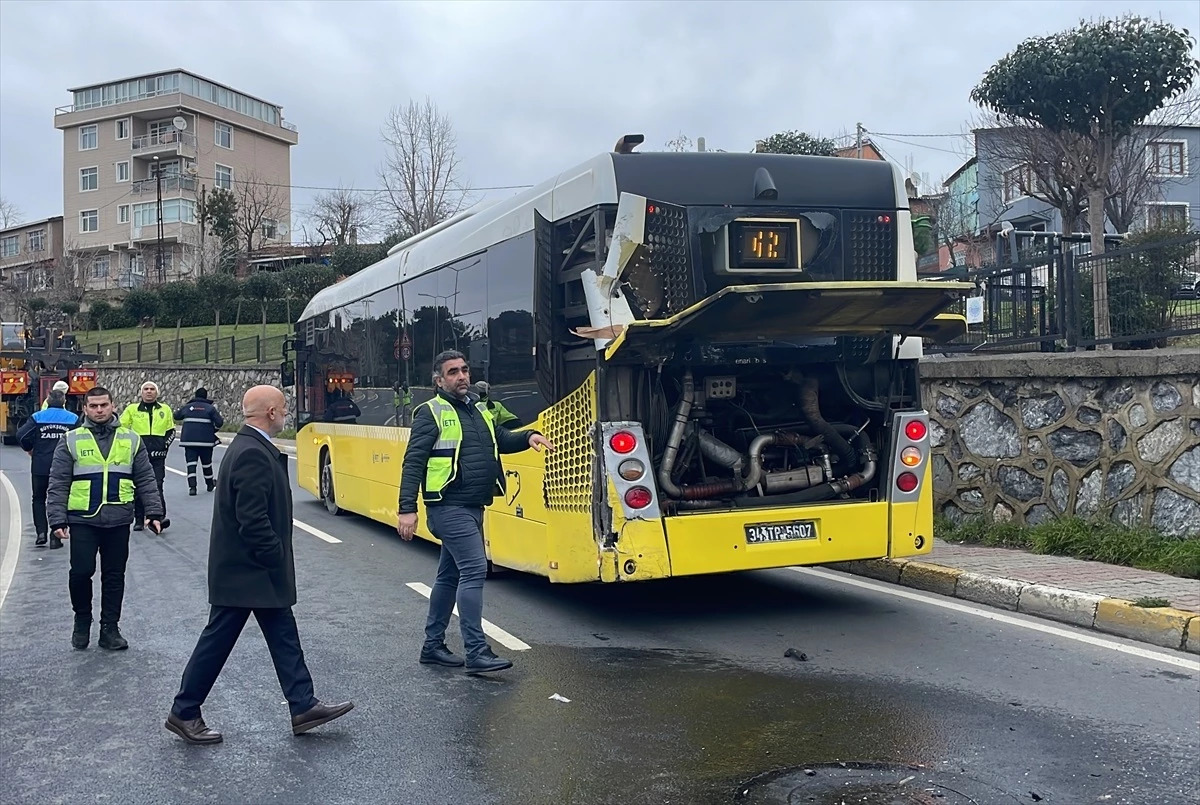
x,y
303,418
287,374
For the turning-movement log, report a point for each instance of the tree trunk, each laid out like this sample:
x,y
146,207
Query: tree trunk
x,y
218,320
178,343
1099,269
264,317
237,319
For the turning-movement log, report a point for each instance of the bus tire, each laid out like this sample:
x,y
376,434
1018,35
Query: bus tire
x,y
328,493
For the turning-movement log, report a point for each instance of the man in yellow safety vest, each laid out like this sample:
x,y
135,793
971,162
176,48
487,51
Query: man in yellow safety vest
x,y
96,470
453,462
154,421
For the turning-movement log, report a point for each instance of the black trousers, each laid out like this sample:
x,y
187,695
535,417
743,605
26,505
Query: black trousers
x,y
113,547
41,483
203,455
160,474
225,625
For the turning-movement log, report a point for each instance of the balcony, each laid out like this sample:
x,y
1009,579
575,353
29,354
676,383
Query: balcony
x,y
173,232
171,183
169,143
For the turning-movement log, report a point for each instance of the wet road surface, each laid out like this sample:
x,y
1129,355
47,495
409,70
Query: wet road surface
x,y
679,691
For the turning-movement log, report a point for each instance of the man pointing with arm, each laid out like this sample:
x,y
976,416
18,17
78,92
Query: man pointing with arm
x,y
453,462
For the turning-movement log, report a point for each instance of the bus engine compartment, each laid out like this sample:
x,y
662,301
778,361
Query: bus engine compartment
x,y
770,436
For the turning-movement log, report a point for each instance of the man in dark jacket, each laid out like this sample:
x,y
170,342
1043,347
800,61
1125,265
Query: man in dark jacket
x,y
39,436
200,419
84,505
151,419
453,461
251,570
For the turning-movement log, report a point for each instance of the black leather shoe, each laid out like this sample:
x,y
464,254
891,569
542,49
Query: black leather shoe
x,y
487,662
41,540
318,715
81,634
441,656
110,638
194,731
211,485
55,542
191,491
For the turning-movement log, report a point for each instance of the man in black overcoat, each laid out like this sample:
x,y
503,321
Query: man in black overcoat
x,y
251,570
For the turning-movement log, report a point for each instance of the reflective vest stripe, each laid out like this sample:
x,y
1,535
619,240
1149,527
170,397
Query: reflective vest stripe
x,y
203,420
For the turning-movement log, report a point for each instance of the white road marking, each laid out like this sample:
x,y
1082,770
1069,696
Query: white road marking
x,y
177,472
981,612
502,637
316,532
13,548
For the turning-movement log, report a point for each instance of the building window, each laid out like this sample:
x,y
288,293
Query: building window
x,y
223,134
1020,182
1167,213
89,179
1168,158
123,214
89,221
123,128
100,267
10,246
88,138
173,212
37,241
270,229
224,177
122,171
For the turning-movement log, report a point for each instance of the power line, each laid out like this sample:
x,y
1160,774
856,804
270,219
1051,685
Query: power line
x,y
892,134
915,145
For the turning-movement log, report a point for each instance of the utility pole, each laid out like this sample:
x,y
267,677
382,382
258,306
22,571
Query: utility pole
x,y
859,129
203,225
158,185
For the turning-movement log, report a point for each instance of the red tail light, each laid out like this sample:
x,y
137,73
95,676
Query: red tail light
x,y
915,430
623,442
638,497
906,482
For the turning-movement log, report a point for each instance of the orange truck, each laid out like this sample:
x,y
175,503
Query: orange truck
x,y
30,366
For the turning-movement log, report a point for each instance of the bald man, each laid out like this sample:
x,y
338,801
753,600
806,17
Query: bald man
x,y
251,570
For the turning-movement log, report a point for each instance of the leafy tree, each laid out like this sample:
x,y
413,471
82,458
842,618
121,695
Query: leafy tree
x,y
142,305
262,287
69,308
216,291
98,311
35,306
796,142
175,301
1094,85
301,283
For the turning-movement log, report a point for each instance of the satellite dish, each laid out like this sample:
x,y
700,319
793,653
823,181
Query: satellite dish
x,y
180,123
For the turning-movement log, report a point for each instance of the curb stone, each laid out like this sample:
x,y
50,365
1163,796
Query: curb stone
x,y
1160,626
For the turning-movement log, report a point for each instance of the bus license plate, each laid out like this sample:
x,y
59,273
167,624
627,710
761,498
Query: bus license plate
x,y
761,533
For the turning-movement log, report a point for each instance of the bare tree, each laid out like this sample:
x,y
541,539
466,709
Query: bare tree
x,y
258,202
10,214
421,171
206,253
68,276
342,216
681,143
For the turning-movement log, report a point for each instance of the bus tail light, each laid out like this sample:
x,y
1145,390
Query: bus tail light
x,y
638,497
910,451
631,469
906,482
915,430
910,457
623,442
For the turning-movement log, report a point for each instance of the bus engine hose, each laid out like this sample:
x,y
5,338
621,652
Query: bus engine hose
x,y
682,414
810,407
727,456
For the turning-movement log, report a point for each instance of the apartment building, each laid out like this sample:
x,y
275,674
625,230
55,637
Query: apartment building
x,y
30,255
176,133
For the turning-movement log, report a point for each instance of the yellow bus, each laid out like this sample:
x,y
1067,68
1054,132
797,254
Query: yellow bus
x,y
722,347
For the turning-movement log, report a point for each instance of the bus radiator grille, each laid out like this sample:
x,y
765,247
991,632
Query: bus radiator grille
x,y
569,425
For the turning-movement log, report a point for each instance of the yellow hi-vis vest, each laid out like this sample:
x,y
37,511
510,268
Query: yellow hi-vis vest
x,y
100,480
148,423
442,467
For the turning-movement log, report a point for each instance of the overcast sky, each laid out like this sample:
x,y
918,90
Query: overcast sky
x,y
532,88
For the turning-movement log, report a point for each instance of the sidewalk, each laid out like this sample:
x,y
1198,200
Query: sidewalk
x,y
1089,594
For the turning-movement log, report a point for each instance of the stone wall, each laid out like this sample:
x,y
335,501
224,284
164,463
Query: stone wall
x,y
1029,437
177,382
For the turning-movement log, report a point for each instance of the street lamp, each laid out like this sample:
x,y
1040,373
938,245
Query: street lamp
x,y
158,186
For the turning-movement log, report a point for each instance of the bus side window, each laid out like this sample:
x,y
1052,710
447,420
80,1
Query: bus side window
x,y
511,370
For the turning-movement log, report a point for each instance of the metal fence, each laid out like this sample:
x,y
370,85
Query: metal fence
x,y
232,350
1047,301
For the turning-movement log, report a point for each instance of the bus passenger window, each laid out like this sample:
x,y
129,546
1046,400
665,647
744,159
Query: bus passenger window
x,y
510,328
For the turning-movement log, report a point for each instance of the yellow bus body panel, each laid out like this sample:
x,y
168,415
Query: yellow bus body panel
x,y
912,523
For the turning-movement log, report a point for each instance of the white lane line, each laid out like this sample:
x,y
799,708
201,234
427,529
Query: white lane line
x,y
13,548
316,532
882,587
502,637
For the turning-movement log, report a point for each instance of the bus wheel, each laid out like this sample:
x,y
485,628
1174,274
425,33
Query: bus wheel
x,y
328,495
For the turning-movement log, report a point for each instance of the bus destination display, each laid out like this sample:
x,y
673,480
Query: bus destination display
x,y
759,245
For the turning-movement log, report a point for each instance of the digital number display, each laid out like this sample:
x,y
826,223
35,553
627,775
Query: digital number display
x,y
759,245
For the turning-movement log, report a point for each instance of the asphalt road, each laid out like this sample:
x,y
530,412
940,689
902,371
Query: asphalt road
x,y
680,691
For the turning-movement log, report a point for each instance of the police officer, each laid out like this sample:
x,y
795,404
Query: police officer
x,y
155,423
96,471
200,419
453,456
500,414
38,437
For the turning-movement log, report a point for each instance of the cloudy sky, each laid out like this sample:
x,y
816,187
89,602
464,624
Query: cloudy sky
x,y
531,88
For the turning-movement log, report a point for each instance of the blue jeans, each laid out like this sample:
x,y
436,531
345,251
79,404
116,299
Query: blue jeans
x,y
461,571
